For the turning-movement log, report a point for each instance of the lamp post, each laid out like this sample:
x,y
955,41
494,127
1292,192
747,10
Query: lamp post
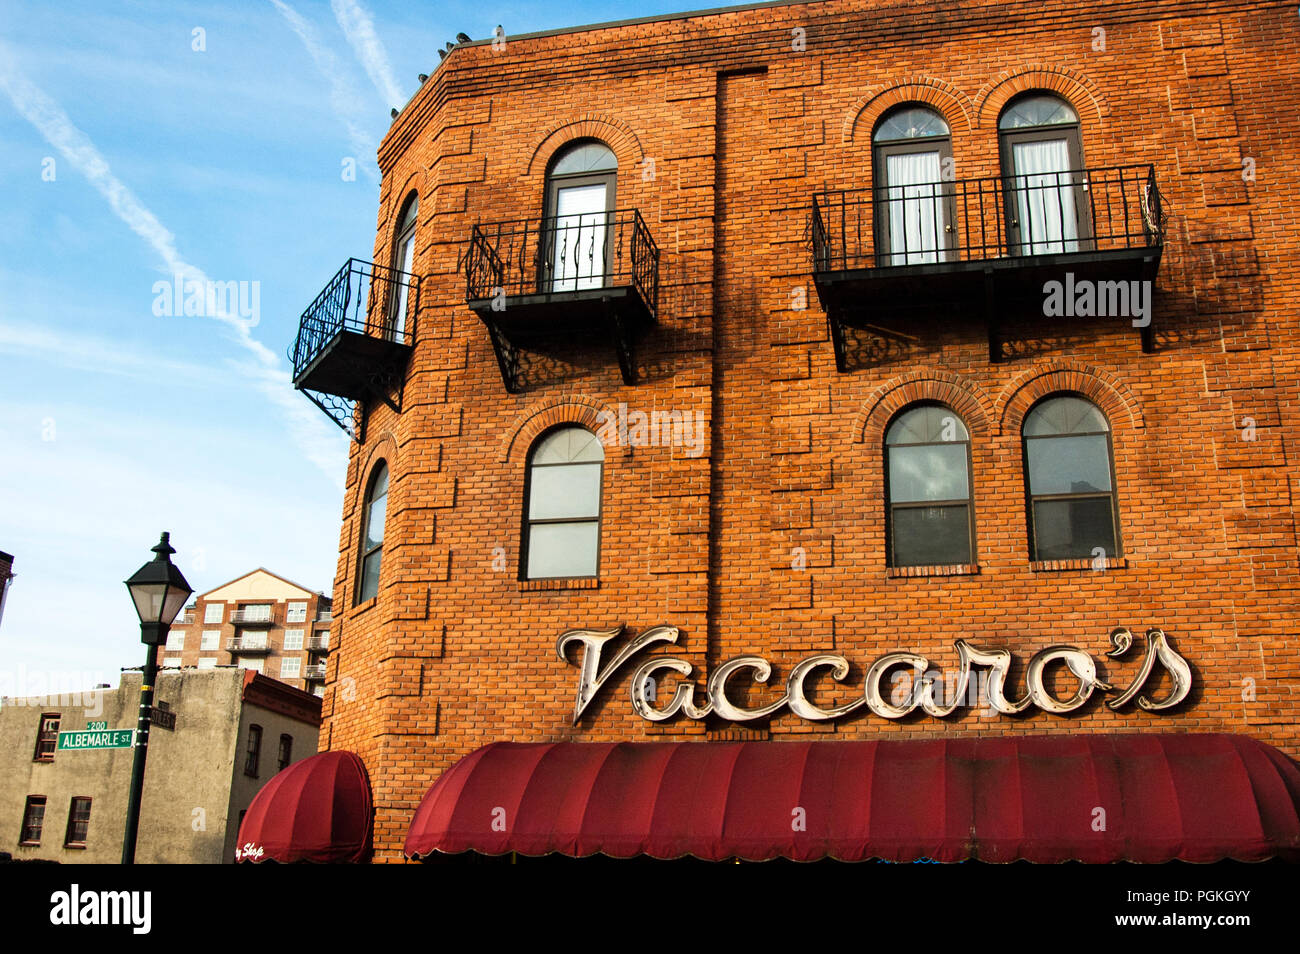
x,y
158,590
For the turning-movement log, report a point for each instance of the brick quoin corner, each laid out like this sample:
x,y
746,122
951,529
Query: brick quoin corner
x,y
772,541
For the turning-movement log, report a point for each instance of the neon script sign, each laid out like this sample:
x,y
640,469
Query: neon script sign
x,y
925,692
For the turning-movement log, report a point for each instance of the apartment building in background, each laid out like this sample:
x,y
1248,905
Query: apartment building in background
x,y
259,621
218,736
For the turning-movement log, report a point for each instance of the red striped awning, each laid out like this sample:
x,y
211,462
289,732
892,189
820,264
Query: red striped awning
x,y
315,810
1092,798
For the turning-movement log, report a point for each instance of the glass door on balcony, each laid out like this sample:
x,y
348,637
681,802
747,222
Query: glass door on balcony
x,y
574,251
914,213
1046,185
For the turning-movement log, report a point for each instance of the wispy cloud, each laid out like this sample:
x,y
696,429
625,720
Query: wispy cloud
x,y
359,28
265,369
343,97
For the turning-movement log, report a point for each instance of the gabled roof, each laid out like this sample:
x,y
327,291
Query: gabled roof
x,y
261,569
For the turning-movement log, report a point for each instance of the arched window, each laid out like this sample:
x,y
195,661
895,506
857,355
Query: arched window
x,y
927,479
403,261
1069,472
1042,160
577,252
562,505
373,513
914,214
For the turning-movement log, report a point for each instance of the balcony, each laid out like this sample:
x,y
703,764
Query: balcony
x,y
542,284
184,618
882,257
318,644
354,340
323,618
246,646
253,616
314,673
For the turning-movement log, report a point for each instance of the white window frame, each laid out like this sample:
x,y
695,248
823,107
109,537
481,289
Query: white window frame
x,y
219,616
211,639
176,639
290,667
293,640
296,613
208,662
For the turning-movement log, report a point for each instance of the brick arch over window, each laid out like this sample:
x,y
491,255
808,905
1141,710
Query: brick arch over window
x,y
1077,89
863,115
963,396
392,204
1110,394
544,415
614,133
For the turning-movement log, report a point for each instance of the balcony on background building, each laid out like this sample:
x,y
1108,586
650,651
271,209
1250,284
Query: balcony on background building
x,y
354,340
314,673
185,617
323,618
247,645
883,257
318,644
252,616
545,283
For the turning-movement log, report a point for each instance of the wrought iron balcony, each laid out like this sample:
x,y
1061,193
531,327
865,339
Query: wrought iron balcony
x,y
318,644
354,339
888,251
323,618
246,646
314,673
544,282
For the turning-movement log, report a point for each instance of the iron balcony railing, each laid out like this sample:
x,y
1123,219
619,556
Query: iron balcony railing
x,y
313,673
183,618
245,644
250,616
364,298
971,220
324,616
568,253
318,644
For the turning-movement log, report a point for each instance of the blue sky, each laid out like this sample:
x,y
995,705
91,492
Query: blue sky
x,y
126,156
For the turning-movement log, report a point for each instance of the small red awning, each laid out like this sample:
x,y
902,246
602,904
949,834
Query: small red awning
x,y
315,810
1093,798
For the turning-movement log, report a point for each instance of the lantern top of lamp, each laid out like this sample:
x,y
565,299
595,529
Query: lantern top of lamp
x,y
158,588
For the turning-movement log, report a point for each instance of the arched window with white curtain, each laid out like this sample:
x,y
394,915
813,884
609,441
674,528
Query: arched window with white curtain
x,y
914,215
1046,185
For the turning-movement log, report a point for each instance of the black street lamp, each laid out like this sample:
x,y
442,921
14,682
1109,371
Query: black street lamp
x,y
159,591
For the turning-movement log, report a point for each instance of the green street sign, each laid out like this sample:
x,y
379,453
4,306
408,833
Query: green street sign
x,y
99,739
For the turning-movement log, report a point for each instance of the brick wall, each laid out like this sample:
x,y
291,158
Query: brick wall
x,y
742,128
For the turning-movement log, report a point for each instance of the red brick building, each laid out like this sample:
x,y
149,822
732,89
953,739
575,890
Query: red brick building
x,y
259,621
895,325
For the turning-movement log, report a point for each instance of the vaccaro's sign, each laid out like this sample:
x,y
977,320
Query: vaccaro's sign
x,y
926,689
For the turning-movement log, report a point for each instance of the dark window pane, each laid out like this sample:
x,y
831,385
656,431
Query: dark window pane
x,y
928,472
370,576
1064,415
931,536
1068,465
1067,529
567,490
